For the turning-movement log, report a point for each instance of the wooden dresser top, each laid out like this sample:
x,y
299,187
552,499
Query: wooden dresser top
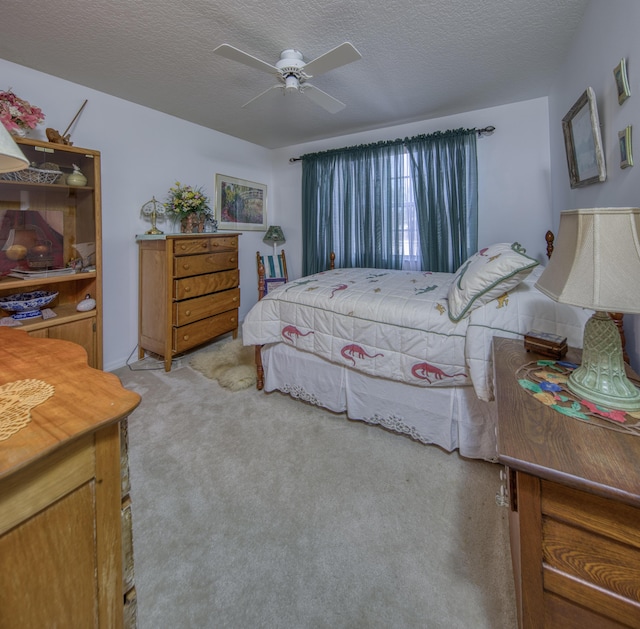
x,y
538,440
84,399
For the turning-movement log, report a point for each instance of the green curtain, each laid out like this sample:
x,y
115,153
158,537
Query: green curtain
x,y
444,171
354,202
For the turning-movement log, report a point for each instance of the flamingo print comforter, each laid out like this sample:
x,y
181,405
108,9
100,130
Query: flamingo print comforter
x,y
395,324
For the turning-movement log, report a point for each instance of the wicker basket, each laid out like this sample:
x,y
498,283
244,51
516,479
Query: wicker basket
x,y
33,175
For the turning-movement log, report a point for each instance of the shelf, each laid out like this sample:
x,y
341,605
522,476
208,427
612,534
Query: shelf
x,y
66,314
33,185
19,285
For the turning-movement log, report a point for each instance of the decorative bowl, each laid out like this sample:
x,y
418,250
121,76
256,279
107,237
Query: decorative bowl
x,y
27,305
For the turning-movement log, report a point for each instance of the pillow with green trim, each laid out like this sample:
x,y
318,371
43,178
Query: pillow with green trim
x,y
487,274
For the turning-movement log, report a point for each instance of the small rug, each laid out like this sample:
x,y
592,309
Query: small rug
x,y
546,380
230,363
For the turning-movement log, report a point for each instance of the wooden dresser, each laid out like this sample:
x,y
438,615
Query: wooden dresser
x,y
65,560
574,494
189,291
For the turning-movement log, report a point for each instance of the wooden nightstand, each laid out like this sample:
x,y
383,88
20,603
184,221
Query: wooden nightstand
x,y
574,494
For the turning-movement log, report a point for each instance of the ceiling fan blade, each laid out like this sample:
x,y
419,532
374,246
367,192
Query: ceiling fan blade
x,y
229,52
331,104
273,87
338,56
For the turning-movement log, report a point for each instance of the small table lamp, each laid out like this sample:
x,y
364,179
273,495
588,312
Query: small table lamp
x,y
11,157
274,235
596,265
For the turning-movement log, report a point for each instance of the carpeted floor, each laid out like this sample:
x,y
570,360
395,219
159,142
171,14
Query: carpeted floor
x,y
254,510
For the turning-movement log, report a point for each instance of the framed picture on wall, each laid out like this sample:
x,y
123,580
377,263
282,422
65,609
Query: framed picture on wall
x,y
240,204
622,83
626,157
583,142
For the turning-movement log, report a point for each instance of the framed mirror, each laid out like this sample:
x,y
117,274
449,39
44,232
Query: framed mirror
x,y
583,143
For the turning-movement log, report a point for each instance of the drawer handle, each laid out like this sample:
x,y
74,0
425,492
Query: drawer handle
x,y
183,247
215,243
233,319
185,337
187,313
204,244
187,289
235,299
186,266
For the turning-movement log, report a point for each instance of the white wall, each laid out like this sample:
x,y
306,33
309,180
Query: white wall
x,y
143,153
513,172
607,33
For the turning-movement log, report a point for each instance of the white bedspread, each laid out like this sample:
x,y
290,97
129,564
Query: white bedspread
x,y
395,324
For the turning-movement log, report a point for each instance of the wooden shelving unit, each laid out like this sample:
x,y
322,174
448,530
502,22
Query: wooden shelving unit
x,y
62,216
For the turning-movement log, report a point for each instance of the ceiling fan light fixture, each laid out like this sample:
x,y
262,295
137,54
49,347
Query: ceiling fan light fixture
x,y
291,83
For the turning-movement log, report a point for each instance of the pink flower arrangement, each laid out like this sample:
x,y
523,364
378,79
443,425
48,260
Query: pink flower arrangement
x,y
17,114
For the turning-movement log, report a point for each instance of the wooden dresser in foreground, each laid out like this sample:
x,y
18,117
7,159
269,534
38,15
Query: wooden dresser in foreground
x,y
574,493
64,557
189,291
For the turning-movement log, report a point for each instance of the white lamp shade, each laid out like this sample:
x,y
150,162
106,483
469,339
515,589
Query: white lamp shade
x,y
11,157
596,260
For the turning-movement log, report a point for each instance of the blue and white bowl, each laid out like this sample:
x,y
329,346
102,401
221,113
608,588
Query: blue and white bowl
x,y
27,305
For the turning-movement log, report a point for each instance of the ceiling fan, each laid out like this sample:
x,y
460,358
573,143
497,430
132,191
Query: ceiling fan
x,y
293,72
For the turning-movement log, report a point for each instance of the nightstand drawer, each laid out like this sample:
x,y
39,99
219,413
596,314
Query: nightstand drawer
x,y
185,266
204,284
189,336
191,310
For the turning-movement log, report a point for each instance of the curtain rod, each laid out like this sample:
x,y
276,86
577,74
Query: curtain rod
x,y
486,131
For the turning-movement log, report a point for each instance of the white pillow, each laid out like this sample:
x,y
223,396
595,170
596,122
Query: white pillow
x,y
487,274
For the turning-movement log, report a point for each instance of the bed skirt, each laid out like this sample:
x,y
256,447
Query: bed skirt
x,y
450,417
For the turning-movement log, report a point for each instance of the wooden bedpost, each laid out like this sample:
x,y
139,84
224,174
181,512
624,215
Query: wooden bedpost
x,y
549,237
261,286
332,261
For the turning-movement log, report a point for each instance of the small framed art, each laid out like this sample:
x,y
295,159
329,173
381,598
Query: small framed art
x,y
626,156
240,204
622,83
583,142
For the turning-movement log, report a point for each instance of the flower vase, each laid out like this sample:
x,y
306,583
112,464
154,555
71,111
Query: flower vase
x,y
192,224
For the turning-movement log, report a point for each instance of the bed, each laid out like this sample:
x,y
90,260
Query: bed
x,y
409,351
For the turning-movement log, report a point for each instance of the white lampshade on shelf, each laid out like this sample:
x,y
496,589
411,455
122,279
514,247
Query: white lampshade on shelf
x,y
274,236
11,157
596,265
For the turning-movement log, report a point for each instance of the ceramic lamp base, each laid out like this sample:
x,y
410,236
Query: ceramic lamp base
x,y
601,378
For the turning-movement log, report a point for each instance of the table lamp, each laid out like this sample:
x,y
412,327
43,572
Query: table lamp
x,y
596,265
11,157
274,235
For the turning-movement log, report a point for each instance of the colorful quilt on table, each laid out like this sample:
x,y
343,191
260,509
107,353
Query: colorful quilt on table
x,y
395,324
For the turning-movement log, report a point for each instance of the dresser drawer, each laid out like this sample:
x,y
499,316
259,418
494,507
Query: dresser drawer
x,y
223,242
591,552
189,246
185,266
189,336
191,310
204,284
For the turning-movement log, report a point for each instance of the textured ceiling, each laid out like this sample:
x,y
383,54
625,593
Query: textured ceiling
x,y
419,59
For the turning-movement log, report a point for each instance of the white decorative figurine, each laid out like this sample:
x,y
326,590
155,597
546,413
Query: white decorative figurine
x,y
86,304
